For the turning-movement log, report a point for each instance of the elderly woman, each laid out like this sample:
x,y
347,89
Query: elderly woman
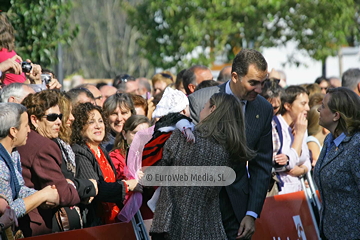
x,y
41,161
93,162
337,171
117,109
194,212
86,188
13,133
295,152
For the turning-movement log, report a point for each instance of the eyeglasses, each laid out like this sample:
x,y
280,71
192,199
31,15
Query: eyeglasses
x,y
324,88
53,116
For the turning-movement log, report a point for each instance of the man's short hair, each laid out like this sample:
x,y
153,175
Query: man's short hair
x,y
245,58
12,90
75,92
190,77
224,75
351,78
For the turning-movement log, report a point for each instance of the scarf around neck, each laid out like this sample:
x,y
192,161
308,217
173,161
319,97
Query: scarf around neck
x,y
14,183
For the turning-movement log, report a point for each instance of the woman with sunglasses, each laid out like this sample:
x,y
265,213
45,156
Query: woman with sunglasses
x,y
86,188
41,161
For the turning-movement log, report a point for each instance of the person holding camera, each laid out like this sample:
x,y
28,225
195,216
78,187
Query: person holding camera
x,y
19,71
7,46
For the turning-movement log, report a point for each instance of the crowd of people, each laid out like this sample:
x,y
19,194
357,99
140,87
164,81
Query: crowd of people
x,y
65,161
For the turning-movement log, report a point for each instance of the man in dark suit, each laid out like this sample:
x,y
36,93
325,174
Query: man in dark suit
x,y
242,201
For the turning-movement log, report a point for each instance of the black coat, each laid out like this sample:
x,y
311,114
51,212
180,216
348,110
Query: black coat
x,y
88,168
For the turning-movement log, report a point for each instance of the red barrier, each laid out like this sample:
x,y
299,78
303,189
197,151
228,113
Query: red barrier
x,y
119,231
286,217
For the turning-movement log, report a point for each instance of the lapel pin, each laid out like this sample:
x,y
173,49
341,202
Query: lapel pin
x,y
257,116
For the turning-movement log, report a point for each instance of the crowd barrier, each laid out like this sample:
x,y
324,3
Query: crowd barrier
x,y
119,231
292,216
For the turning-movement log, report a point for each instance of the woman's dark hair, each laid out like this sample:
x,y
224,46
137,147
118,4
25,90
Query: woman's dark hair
x,y
122,100
82,114
39,102
347,103
130,125
290,96
179,79
226,125
7,37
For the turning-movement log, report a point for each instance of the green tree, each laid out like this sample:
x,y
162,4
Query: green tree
x,y
106,45
39,27
180,33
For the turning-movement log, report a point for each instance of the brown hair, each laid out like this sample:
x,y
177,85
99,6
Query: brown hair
x,y
312,89
39,102
316,99
130,125
82,114
65,109
291,93
7,37
347,104
313,121
139,101
226,125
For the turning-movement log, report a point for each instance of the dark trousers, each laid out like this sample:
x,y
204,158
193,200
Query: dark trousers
x,y
230,223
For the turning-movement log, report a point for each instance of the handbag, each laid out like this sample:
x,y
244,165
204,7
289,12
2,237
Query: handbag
x,y
68,218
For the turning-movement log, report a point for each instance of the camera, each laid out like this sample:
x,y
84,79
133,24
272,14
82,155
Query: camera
x,y
26,67
46,78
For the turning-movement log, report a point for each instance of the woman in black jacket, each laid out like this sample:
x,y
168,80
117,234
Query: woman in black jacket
x,y
93,162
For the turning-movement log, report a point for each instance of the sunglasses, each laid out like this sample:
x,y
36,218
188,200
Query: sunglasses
x,y
125,78
270,80
53,116
165,75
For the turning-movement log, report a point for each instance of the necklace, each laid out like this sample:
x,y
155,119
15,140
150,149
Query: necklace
x,y
98,152
95,149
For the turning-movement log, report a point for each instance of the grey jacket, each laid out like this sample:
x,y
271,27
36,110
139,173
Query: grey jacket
x,y
246,194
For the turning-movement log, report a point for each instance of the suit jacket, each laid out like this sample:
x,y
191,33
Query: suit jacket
x,y
246,194
337,175
41,166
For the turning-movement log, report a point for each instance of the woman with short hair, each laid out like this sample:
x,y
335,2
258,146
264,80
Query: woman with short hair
x,y
41,162
293,121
